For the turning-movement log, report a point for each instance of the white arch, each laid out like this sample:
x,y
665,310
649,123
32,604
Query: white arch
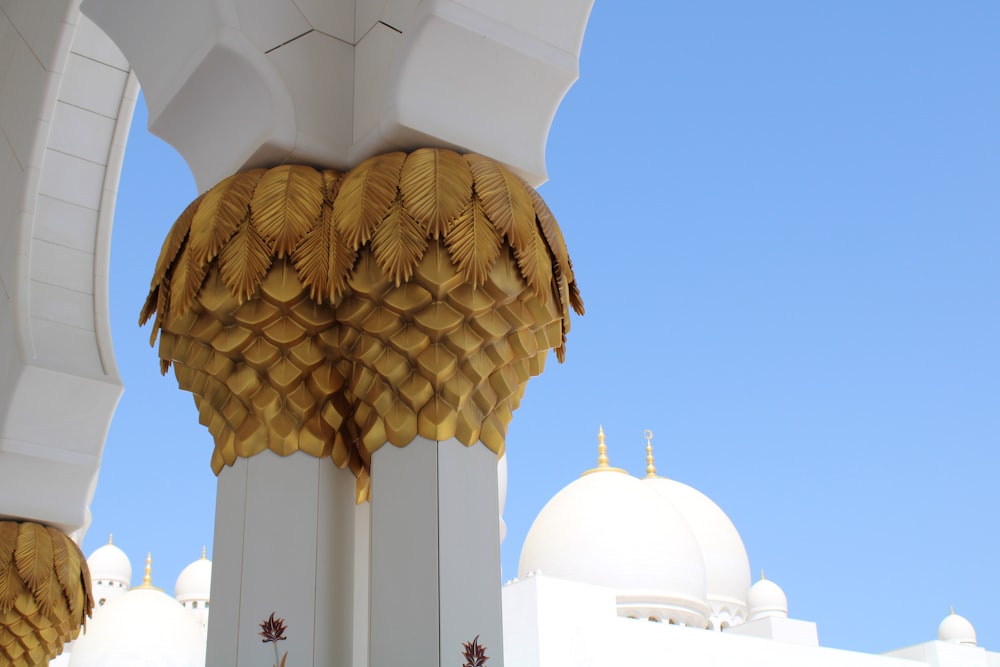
x,y
67,100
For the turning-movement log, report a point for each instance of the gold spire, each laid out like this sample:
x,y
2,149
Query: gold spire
x,y
203,552
762,577
147,578
602,448
602,456
650,463
111,538
951,608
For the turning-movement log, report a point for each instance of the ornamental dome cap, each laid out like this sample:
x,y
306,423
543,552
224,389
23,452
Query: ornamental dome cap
x,y
766,600
144,627
956,629
194,581
609,529
110,563
727,567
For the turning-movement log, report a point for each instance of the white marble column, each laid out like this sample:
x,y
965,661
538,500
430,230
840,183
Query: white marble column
x,y
435,554
284,543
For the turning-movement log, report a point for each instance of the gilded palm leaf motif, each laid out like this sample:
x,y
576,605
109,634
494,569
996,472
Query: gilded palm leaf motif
x,y
44,593
413,295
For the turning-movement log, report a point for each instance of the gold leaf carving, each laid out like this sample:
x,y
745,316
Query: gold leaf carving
x,y
366,193
473,243
324,260
186,280
175,237
399,243
562,264
171,247
222,210
10,582
413,295
62,563
244,261
505,200
536,266
44,593
33,556
286,205
331,184
436,187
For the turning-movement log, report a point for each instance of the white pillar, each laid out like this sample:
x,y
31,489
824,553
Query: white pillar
x,y
284,533
435,554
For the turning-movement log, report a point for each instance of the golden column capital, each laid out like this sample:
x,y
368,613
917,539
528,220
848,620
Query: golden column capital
x,y
331,313
45,594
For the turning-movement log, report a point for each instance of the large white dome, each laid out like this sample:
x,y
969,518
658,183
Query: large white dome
x,y
142,628
608,529
727,567
109,563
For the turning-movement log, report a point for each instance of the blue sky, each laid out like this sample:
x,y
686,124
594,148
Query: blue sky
x,y
784,218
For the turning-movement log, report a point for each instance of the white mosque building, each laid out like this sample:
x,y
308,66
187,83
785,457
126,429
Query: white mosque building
x,y
142,625
615,570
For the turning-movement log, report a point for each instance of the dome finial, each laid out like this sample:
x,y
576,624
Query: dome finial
x,y
650,463
147,578
204,553
603,464
602,448
951,610
111,538
762,577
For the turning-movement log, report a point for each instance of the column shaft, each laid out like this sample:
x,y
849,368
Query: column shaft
x,y
284,532
435,554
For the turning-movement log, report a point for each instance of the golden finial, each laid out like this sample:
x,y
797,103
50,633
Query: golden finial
x,y
602,455
951,608
602,448
147,578
203,553
762,577
111,538
650,463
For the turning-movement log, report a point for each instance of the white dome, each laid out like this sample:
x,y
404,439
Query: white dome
x,y
727,568
608,529
142,628
766,599
109,563
195,581
956,629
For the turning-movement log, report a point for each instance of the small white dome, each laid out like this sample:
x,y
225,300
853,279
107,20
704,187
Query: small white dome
x,y
194,581
766,599
142,628
608,529
109,563
956,629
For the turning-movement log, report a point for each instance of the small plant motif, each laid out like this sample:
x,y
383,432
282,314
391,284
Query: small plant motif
x,y
273,630
474,653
